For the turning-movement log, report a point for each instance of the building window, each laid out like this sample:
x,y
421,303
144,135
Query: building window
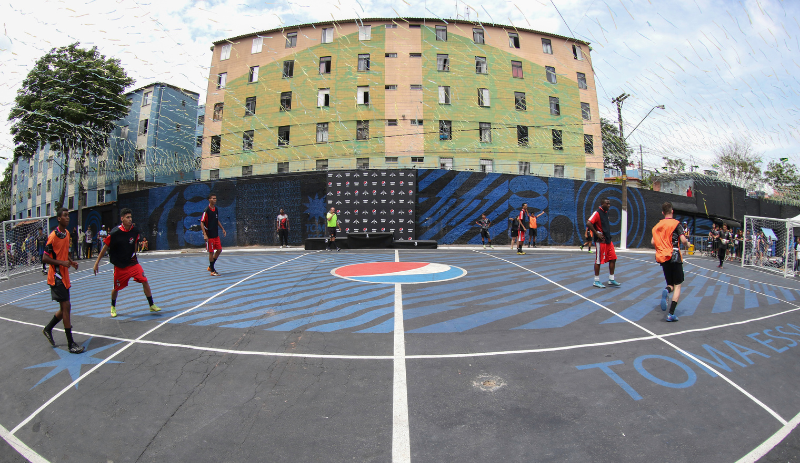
x,y
199,142
555,108
516,69
446,163
590,175
362,95
222,79
444,95
487,166
558,170
441,33
577,53
283,167
200,120
322,133
364,32
391,122
177,127
391,55
551,74
327,35
247,170
39,211
218,110
485,132
71,202
38,189
524,168
522,135
48,185
547,47
249,106
390,87
288,69
363,62
253,76
588,144
417,122
139,157
291,40
415,55
417,159
519,101
143,126
101,198
362,130
325,65
216,144
391,26
286,101
513,40
586,112
247,140
582,81
225,52
29,193
148,96
257,44
415,26
416,87
213,174
362,163
480,65
443,63
49,164
322,164
323,98
477,35
283,135
445,130
558,141
483,97
390,159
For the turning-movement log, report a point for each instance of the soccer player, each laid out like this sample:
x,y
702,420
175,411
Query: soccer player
x,y
41,242
588,240
532,228
604,249
333,224
56,254
485,223
282,224
724,239
522,218
210,224
121,245
668,234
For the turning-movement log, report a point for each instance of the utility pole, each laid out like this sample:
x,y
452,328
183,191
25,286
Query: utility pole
x,y
624,153
641,164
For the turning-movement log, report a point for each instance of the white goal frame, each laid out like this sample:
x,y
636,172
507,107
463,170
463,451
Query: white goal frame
x,y
17,266
772,255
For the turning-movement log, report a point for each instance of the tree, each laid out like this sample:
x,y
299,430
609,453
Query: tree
x,y
738,163
5,193
70,99
784,178
616,152
673,166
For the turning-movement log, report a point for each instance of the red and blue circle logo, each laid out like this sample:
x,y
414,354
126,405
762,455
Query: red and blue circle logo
x,y
399,272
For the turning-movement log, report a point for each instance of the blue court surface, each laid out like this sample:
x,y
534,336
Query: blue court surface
x,y
402,355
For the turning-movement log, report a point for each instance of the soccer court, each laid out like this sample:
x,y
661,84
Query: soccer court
x,y
303,356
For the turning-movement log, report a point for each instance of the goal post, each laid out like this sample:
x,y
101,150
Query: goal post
x,y
769,244
20,250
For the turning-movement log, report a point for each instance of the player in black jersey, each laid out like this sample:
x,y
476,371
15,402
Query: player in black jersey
x,y
210,224
121,245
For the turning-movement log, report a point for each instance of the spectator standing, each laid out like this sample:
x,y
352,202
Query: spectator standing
x,y
282,225
81,240
689,192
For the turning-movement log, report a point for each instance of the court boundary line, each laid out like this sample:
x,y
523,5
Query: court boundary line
x,y
660,338
771,442
26,452
124,348
401,436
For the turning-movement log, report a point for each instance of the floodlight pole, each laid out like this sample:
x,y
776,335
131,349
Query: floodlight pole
x,y
623,241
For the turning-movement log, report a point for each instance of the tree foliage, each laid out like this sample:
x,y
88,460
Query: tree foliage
x,y
738,163
784,178
69,100
616,152
5,193
673,166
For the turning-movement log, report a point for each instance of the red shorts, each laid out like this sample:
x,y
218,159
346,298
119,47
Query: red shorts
x,y
521,235
214,244
123,274
605,253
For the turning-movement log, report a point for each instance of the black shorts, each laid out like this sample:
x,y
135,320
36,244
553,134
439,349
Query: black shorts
x,y
673,273
485,234
532,232
59,292
332,231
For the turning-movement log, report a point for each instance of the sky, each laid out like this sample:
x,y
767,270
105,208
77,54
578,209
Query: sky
x,y
724,70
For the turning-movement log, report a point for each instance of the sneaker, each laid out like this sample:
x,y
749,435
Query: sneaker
x,y
484,246
672,317
113,311
597,284
582,247
614,283
589,250
49,336
215,274
155,308
75,348
664,299
491,247
521,252
338,249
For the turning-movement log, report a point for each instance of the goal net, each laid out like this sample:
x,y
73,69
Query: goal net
x,y
768,244
21,248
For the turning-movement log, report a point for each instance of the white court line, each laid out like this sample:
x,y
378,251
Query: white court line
x,y
771,442
690,262
20,447
659,337
401,439
110,357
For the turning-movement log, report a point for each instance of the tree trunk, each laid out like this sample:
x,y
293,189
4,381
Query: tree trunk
x,y
64,181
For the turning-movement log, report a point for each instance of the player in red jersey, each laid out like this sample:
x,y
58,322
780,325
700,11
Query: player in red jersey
x,y
210,224
599,225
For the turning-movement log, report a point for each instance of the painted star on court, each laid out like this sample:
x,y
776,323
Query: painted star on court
x,y
72,363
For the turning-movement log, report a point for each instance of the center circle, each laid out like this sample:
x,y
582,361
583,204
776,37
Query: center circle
x,y
399,272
